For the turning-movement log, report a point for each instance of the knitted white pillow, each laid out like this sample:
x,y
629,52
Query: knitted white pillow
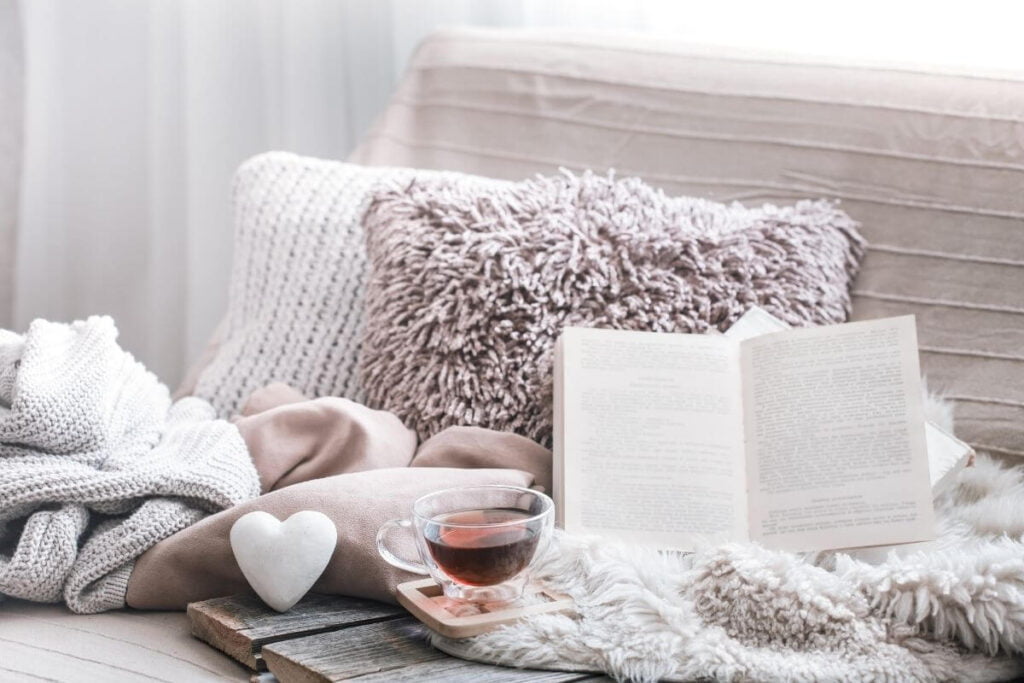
x,y
295,300
295,308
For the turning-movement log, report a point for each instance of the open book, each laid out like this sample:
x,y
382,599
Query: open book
x,y
803,439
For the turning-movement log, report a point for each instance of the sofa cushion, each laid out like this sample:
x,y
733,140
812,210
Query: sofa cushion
x,y
471,285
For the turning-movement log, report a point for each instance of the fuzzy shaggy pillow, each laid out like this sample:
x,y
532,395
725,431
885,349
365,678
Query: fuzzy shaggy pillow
x,y
471,286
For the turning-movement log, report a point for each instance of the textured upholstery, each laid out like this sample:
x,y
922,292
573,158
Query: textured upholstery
x,y
932,165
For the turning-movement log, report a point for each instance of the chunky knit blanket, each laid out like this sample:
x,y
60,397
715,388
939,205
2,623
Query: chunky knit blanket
x,y
97,465
739,612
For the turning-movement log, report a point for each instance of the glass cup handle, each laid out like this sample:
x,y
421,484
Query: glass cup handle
x,y
390,557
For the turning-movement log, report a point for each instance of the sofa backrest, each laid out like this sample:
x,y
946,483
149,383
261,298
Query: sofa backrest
x,y
931,164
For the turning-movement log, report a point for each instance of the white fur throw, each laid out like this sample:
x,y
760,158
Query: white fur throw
x,y
739,612
471,287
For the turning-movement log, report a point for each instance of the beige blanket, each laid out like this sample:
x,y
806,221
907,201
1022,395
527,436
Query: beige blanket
x,y
358,466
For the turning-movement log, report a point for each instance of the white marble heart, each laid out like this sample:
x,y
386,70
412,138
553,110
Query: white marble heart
x,y
282,560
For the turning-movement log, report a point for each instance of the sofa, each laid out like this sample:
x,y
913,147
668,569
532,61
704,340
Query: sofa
x,y
931,163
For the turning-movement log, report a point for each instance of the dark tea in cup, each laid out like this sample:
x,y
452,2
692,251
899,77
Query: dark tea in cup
x,y
476,542
469,548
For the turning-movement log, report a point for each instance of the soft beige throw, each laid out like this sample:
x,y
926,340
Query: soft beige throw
x,y
358,466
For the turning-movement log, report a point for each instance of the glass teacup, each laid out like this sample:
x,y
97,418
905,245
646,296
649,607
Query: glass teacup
x,y
477,542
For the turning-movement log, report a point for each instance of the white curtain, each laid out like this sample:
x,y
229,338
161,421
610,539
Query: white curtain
x,y
138,111
11,81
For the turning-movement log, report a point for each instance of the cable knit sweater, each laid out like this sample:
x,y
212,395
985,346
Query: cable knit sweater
x,y
97,465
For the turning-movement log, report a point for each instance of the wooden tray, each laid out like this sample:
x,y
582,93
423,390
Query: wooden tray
x,y
452,619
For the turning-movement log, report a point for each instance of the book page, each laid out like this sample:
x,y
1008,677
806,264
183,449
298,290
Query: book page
x,y
836,453
650,442
947,454
558,435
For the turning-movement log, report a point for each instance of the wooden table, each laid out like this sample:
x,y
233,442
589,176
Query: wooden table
x,y
50,643
333,639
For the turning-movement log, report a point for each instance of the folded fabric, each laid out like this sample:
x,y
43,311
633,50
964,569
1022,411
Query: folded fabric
x,y
271,396
478,447
294,440
97,465
197,563
358,466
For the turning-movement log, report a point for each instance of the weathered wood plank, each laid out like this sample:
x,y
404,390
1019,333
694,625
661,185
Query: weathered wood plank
x,y
240,626
387,651
356,651
453,670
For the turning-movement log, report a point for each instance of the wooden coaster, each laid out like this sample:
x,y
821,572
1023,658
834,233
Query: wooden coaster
x,y
455,619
